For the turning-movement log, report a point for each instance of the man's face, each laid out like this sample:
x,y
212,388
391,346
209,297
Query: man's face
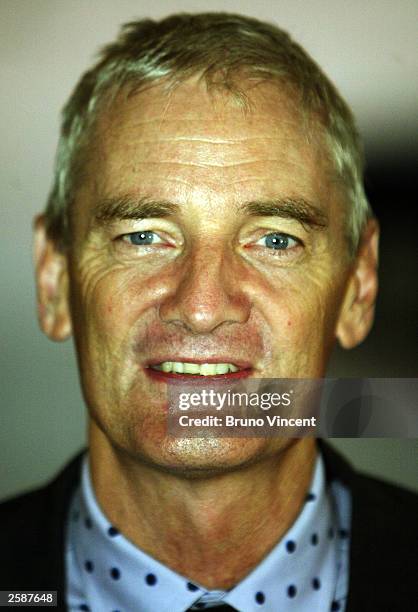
x,y
178,256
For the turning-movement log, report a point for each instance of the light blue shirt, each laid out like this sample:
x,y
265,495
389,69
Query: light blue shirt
x,y
307,571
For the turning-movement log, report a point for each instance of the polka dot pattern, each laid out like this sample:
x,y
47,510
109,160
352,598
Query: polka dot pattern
x,y
192,587
316,584
290,546
151,579
283,581
112,531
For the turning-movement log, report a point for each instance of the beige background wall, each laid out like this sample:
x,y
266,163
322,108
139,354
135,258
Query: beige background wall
x,y
368,49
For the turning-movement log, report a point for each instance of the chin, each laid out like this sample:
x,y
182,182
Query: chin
x,y
202,457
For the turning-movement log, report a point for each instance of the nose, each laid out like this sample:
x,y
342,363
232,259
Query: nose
x,y
207,294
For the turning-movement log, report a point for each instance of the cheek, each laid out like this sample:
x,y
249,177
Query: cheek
x,y
112,302
114,307
302,312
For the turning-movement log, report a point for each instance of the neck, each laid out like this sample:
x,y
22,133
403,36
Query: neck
x,y
213,530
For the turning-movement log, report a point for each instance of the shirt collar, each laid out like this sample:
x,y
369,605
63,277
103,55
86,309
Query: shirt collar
x,y
110,573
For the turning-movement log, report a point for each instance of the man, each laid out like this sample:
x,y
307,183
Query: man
x,y
207,208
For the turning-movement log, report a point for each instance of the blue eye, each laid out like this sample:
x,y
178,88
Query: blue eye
x,y
278,241
142,238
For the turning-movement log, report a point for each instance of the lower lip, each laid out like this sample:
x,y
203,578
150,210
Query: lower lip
x,y
173,378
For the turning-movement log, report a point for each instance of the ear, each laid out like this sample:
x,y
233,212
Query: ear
x,y
357,313
52,284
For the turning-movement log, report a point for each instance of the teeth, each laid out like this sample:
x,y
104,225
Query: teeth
x,y
191,368
204,369
208,369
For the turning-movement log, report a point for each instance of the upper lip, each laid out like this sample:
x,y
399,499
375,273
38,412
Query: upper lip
x,y
241,364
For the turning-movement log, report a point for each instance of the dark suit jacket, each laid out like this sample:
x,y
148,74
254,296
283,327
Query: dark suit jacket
x,y
384,536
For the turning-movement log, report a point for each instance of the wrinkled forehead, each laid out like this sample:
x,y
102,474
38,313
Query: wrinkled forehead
x,y
190,136
259,111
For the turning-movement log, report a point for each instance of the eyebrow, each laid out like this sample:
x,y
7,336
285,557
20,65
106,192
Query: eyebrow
x,y
127,207
298,209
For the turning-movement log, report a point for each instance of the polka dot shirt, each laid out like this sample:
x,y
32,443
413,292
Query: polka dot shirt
x,y
306,571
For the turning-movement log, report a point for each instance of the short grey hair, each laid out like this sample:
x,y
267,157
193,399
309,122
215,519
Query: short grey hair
x,y
219,48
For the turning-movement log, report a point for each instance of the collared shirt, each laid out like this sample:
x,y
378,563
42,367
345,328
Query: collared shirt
x,y
306,571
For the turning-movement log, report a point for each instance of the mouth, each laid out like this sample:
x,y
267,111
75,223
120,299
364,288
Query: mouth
x,y
185,370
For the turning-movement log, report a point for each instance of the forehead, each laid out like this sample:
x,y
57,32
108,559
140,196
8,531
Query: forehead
x,y
189,143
